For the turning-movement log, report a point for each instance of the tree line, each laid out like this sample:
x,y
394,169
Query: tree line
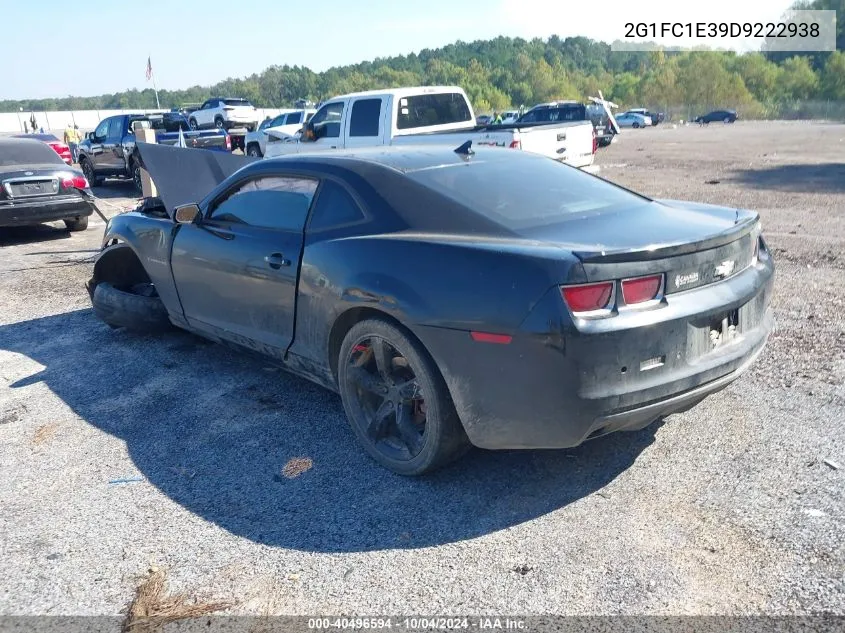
x,y
508,72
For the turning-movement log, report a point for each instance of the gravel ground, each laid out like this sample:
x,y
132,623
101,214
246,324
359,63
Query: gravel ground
x,y
729,508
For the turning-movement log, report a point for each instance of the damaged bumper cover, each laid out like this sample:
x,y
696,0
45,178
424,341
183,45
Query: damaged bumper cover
x,y
28,211
557,389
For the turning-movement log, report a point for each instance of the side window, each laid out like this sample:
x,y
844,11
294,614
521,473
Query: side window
x,y
294,117
365,117
116,130
102,130
327,120
270,202
334,207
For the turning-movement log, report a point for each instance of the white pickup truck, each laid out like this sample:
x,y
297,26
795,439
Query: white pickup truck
x,y
430,115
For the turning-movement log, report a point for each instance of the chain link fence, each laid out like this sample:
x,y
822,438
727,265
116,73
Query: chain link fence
x,y
788,110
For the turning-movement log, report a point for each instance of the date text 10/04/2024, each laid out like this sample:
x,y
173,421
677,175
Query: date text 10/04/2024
x,y
417,623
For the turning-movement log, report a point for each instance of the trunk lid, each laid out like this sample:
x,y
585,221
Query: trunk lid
x,y
693,244
31,182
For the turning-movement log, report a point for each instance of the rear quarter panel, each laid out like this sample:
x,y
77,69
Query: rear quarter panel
x,y
423,281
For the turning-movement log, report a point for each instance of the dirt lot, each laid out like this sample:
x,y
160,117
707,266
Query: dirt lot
x,y
121,452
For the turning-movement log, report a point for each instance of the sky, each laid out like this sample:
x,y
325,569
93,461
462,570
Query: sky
x,y
92,47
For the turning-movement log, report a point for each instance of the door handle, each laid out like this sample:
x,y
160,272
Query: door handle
x,y
276,261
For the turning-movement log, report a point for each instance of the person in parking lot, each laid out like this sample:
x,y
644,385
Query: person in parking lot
x,y
72,140
497,118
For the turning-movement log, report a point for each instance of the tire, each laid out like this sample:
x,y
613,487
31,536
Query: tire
x,y
135,170
728,119
77,224
90,175
635,124
192,123
254,150
407,448
218,123
119,308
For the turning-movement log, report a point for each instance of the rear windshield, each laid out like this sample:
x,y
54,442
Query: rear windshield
x,y
237,102
27,152
526,194
574,112
432,109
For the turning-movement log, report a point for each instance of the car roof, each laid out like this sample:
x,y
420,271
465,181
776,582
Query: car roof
x,y
39,137
405,159
11,141
398,92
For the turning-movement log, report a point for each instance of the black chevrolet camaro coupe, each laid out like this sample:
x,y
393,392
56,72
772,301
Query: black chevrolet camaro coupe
x,y
493,298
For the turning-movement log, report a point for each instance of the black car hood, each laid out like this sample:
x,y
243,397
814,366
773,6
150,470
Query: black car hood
x,y
186,175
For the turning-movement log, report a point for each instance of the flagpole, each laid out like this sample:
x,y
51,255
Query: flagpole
x,y
158,105
153,77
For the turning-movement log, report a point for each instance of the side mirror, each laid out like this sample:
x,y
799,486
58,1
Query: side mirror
x,y
186,214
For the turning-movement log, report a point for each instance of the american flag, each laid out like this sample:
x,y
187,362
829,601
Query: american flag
x,y
149,69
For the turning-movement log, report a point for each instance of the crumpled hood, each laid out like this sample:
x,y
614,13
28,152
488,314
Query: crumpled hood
x,y
186,175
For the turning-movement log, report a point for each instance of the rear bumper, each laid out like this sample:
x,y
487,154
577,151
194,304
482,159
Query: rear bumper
x,y
234,124
28,212
556,388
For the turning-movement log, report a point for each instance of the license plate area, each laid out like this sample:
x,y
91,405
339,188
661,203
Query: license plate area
x,y
723,330
715,332
30,188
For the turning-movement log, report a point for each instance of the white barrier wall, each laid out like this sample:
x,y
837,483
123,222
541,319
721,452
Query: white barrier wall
x,y
11,122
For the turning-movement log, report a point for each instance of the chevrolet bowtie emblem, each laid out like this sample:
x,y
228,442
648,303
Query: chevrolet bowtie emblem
x,y
724,269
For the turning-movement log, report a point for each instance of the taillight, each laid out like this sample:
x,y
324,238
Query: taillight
x,y
517,144
75,182
62,150
641,289
228,143
588,297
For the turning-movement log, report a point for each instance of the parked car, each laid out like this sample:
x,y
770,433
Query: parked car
x,y
630,119
286,123
726,116
509,116
496,299
36,185
109,149
60,147
656,117
571,111
483,119
555,111
431,115
186,109
225,113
